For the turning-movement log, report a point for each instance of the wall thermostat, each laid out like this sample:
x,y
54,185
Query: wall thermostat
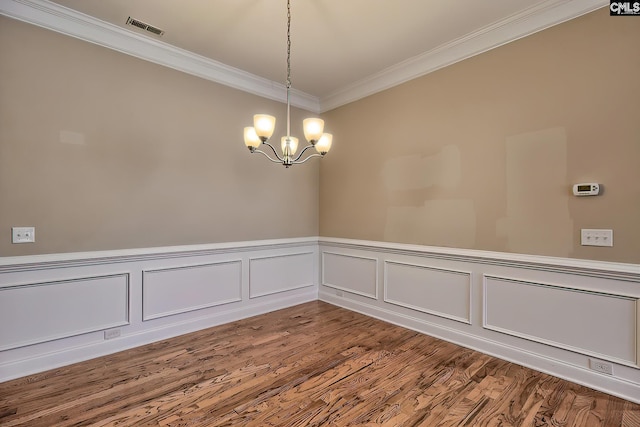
x,y
586,189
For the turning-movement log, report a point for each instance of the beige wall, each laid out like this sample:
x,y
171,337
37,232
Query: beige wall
x,y
99,150
483,154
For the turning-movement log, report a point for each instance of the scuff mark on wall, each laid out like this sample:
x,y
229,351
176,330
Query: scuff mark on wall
x,y
438,223
417,172
71,137
538,218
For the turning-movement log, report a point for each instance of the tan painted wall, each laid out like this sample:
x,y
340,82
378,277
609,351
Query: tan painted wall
x,y
99,150
483,154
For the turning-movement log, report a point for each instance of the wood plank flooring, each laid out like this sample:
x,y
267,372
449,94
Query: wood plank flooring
x,y
310,365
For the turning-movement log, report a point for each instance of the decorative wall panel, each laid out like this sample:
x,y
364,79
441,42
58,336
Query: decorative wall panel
x,y
350,273
38,312
444,293
270,275
178,290
592,323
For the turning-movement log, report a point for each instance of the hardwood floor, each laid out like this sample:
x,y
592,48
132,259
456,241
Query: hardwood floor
x,y
309,365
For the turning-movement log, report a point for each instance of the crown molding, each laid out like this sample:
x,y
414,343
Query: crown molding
x,y
66,21
52,16
530,21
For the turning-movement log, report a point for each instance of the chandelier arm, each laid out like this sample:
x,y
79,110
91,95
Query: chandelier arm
x,y
267,156
275,152
296,162
302,152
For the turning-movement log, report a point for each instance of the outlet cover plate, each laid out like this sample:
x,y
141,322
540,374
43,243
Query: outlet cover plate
x,y
110,334
600,366
23,234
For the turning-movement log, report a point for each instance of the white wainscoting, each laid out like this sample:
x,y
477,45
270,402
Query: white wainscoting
x,y
34,313
491,302
171,291
55,308
551,314
597,324
441,292
351,273
281,273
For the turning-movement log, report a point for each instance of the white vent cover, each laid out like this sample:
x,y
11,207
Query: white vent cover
x,y
144,26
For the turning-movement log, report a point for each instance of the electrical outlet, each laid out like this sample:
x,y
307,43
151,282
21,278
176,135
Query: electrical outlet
x,y
23,234
600,366
110,334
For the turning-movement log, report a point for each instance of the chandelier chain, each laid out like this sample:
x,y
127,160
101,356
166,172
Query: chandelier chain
x,y
288,68
288,44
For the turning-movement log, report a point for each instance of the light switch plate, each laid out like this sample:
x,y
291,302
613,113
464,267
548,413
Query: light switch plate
x,y
23,234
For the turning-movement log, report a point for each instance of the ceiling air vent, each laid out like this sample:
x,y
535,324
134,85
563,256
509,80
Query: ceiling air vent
x,y
144,26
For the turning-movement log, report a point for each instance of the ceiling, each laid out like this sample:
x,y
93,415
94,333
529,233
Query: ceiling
x,y
341,50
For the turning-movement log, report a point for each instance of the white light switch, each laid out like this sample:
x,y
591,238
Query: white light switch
x,y
23,234
596,237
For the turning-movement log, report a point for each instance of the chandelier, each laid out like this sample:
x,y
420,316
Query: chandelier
x,y
264,125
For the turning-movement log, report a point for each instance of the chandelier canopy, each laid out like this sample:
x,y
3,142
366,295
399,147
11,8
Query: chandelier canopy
x,y
264,125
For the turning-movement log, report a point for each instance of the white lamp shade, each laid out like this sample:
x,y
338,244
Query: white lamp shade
x,y
313,129
264,125
324,143
251,138
293,145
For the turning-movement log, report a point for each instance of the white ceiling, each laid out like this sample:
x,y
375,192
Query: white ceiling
x,y
341,49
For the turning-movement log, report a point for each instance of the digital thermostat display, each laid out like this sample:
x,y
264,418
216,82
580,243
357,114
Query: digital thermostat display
x,y
586,189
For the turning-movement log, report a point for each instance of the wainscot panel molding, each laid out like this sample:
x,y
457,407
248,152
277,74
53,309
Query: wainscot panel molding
x,y
350,273
555,315
441,292
34,313
281,273
487,301
177,290
55,309
567,318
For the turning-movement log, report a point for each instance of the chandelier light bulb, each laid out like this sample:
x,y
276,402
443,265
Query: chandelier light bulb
x,y
251,138
264,125
324,143
313,129
289,145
